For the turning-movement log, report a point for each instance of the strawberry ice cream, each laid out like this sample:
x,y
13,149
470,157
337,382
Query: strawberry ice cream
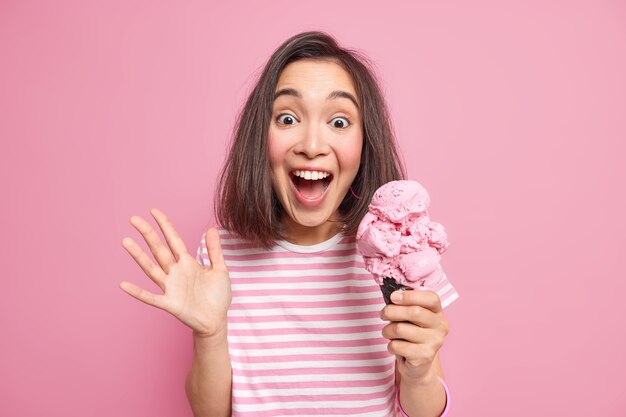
x,y
400,245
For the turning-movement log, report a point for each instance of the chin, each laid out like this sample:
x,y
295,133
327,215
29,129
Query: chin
x,y
311,221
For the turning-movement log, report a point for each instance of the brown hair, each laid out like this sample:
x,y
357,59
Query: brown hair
x,y
246,203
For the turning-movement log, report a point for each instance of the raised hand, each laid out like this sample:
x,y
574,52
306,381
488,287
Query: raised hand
x,y
416,331
197,296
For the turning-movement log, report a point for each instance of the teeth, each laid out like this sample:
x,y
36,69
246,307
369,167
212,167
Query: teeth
x,y
310,175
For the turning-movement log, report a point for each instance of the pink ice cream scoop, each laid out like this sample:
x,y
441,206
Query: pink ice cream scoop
x,y
400,245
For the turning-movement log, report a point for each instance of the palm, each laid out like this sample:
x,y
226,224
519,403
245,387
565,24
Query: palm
x,y
197,296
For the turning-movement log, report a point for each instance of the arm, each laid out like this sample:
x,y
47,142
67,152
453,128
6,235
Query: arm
x,y
197,296
209,381
427,398
208,384
416,331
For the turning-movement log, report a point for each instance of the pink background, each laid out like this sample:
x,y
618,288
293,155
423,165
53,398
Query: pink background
x,y
511,114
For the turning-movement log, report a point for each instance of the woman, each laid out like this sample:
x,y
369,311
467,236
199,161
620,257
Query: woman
x,y
285,319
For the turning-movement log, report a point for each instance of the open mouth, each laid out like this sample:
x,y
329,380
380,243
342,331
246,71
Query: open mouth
x,y
310,184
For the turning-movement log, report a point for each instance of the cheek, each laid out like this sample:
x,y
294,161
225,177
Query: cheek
x,y
275,152
349,153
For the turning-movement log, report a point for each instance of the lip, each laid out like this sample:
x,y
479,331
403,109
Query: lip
x,y
309,202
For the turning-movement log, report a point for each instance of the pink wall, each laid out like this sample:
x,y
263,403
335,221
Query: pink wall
x,y
512,115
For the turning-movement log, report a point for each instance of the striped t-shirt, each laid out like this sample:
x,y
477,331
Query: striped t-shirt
x,y
304,331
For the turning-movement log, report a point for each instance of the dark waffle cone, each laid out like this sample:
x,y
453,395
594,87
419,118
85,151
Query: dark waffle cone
x,y
390,285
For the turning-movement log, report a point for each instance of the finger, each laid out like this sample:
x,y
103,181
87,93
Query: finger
x,y
147,297
409,332
416,353
214,249
424,298
161,253
415,314
174,241
154,272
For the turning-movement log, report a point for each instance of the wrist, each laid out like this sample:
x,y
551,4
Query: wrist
x,y
210,339
427,379
446,391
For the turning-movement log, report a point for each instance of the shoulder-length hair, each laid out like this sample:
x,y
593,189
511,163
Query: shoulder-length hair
x,y
246,203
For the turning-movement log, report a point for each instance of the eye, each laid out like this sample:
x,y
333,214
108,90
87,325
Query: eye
x,y
286,119
343,122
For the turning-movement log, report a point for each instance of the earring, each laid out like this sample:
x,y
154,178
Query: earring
x,y
356,196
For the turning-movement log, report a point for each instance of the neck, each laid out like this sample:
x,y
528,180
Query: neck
x,y
306,236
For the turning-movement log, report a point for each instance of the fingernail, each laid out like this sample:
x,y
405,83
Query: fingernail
x,y
396,296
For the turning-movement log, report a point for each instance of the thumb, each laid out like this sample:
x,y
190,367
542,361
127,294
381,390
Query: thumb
x,y
214,249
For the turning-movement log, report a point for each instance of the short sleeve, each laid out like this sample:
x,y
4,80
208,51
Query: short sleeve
x,y
200,256
446,291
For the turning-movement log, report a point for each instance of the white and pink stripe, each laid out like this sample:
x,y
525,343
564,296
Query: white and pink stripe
x,y
304,331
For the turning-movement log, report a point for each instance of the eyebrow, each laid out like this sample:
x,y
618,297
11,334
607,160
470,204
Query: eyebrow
x,y
334,94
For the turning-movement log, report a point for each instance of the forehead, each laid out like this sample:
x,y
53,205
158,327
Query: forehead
x,y
311,77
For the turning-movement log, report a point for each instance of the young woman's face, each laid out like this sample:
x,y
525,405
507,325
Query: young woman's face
x,y
315,140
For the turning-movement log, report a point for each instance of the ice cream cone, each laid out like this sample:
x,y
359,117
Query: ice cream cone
x,y
400,245
390,285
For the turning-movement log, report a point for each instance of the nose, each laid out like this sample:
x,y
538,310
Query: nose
x,y
313,143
